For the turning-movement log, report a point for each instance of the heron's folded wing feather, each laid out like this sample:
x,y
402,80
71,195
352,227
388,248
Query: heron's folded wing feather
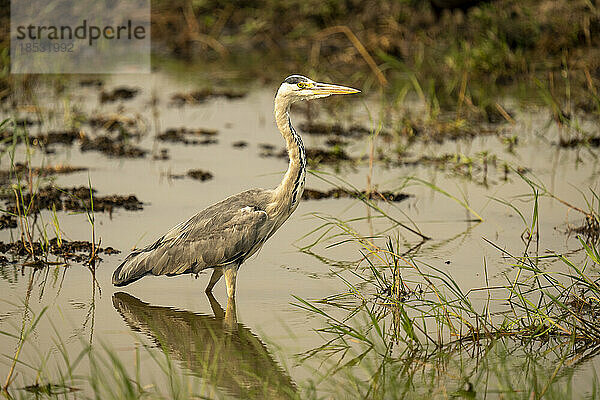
x,y
217,235
209,239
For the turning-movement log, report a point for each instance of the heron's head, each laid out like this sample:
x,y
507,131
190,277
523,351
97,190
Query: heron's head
x,y
297,87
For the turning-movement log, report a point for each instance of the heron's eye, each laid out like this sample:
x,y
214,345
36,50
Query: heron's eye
x,y
302,85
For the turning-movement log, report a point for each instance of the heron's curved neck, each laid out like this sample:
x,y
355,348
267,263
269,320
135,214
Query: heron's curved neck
x,y
291,187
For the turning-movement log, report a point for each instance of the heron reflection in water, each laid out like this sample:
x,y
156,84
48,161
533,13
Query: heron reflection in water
x,y
216,348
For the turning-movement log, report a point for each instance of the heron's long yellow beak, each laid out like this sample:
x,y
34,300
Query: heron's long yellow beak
x,y
326,88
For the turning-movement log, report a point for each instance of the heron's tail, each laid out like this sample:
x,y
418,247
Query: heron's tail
x,y
133,268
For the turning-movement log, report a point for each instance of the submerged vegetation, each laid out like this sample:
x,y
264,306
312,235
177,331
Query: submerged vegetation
x,y
401,313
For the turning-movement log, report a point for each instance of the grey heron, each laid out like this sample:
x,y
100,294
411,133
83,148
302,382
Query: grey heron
x,y
225,234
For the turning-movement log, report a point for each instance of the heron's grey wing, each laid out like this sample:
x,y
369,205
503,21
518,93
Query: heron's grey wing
x,y
211,239
220,234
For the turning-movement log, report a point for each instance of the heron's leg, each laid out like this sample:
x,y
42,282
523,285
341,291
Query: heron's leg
x,y
214,278
215,306
230,272
230,320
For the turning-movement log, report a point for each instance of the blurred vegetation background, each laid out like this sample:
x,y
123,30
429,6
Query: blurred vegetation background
x,y
454,49
454,53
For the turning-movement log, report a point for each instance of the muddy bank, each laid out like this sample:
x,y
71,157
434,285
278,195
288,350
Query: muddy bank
x,y
91,82
440,130
65,137
161,154
120,93
186,136
338,193
199,175
315,156
23,171
240,144
68,199
483,167
322,128
111,135
589,230
413,129
202,95
8,221
593,141
76,251
196,174
126,126
112,147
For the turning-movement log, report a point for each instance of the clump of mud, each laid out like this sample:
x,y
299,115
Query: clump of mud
x,y
593,141
321,128
202,95
338,193
57,137
454,161
120,93
91,82
114,140
111,147
437,131
8,221
21,169
590,229
240,144
189,136
483,168
69,199
125,125
266,147
108,203
77,250
335,142
199,175
66,137
315,156
333,156
162,154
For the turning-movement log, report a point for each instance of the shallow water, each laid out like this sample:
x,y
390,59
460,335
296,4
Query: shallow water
x,y
174,313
